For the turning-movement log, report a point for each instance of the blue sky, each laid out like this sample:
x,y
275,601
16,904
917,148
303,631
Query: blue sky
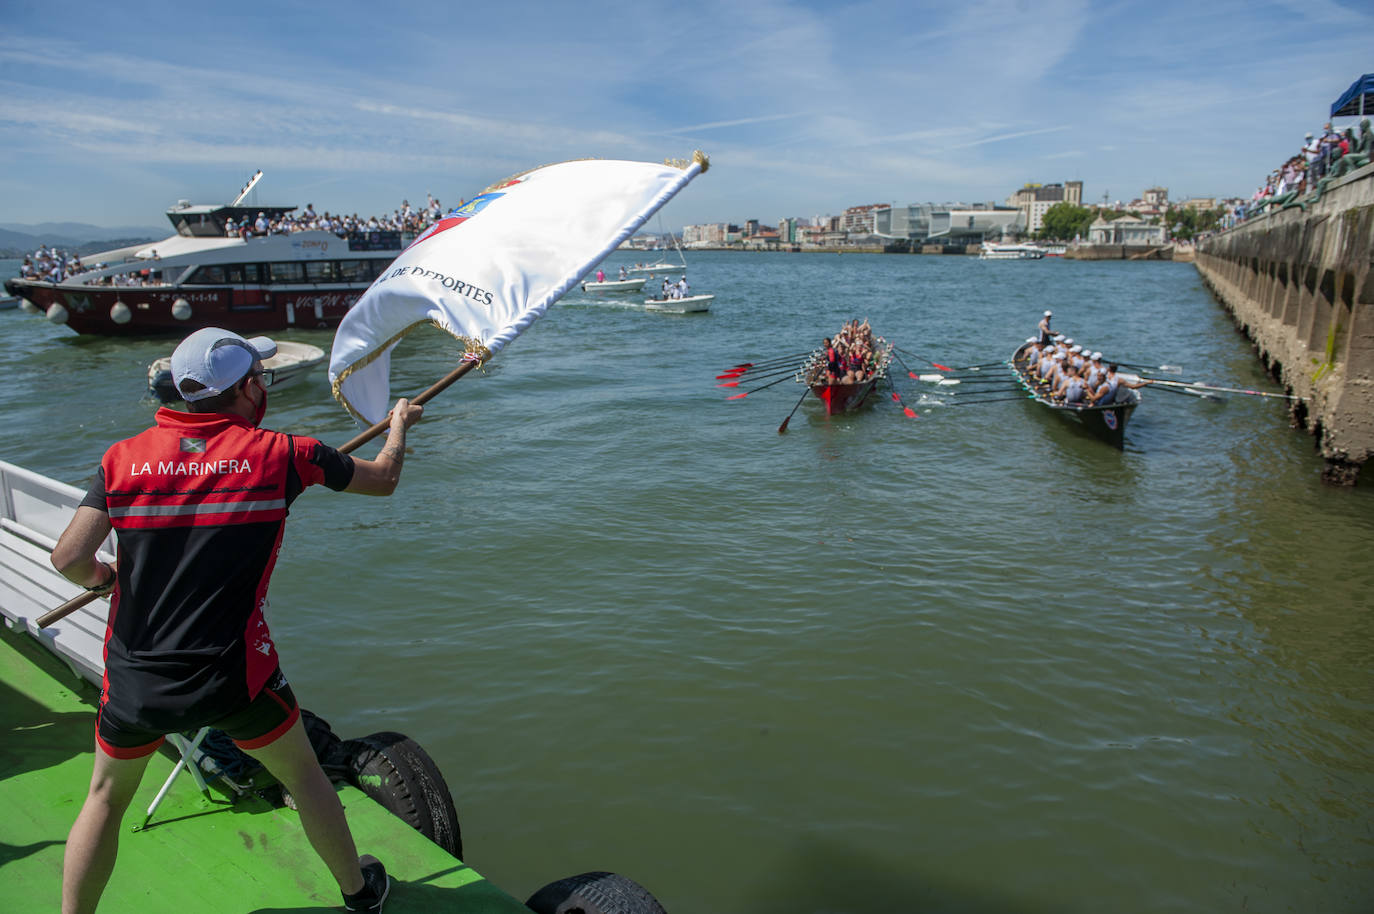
x,y
110,113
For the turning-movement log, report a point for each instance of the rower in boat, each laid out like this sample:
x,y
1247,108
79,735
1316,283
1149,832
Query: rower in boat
x,y
1071,389
1044,327
1110,390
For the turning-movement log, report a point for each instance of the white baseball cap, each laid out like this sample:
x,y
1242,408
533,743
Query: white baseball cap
x,y
1049,313
216,359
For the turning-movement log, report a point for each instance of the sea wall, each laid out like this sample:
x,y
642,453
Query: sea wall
x,y
1299,283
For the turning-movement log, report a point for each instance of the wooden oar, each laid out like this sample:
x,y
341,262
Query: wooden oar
x,y
909,373
990,400
1195,394
735,382
1198,385
761,368
782,428
923,359
978,367
743,366
81,599
1172,369
786,377
911,413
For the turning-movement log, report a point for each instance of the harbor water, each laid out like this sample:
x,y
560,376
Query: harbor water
x,y
975,661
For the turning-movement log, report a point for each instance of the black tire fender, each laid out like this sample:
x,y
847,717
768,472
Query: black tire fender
x,y
392,769
594,893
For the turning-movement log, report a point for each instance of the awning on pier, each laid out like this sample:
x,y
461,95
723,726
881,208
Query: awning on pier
x,y
1356,101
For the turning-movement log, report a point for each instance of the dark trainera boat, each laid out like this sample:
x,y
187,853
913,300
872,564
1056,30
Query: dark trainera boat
x,y
1107,421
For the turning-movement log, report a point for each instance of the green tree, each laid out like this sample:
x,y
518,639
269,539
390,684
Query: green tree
x,y
1185,223
1064,222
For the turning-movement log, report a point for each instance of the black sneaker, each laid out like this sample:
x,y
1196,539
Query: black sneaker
x,y
376,886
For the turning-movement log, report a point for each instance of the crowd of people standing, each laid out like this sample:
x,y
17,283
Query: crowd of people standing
x,y
852,356
1331,154
52,264
405,218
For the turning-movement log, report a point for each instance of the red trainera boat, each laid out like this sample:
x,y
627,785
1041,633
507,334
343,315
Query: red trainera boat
x,y
200,278
840,398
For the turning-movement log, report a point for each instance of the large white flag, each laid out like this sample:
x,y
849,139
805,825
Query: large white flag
x,y
486,271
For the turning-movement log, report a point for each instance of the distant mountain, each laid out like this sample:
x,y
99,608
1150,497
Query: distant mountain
x,y
17,240
81,232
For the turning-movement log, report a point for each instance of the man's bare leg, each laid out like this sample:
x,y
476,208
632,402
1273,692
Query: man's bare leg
x,y
292,761
93,842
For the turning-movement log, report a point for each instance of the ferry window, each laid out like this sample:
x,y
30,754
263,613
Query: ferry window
x,y
234,272
319,270
252,272
207,274
286,272
354,271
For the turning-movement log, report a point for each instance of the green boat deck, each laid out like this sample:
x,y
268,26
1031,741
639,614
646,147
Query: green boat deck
x,y
216,855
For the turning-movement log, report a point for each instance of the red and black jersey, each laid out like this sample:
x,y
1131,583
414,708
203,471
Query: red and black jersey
x,y
199,502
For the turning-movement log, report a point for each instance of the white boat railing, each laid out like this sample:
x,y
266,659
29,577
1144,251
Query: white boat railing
x,y
34,510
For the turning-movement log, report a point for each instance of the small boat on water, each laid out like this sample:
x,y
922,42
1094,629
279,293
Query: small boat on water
x,y
9,303
691,304
615,285
993,251
292,363
662,266
1107,421
840,397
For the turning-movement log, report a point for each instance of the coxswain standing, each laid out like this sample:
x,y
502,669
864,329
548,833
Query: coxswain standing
x,y
1044,327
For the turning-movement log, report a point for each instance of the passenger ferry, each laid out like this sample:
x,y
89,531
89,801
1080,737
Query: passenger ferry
x,y
993,251
200,278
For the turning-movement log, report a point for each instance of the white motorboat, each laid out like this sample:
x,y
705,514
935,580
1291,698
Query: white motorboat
x,y
661,267
993,251
688,305
292,362
616,285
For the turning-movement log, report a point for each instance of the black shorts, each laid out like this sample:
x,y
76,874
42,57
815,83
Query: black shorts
x,y
253,726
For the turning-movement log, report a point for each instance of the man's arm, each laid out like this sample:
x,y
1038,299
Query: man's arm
x,y
74,554
380,475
